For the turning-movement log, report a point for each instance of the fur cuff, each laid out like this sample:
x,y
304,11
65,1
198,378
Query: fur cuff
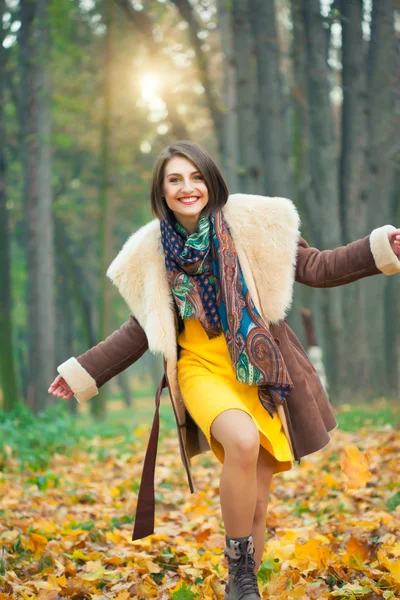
x,y
81,383
385,259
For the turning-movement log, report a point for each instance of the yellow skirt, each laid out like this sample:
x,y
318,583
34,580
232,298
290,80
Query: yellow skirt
x,y
209,386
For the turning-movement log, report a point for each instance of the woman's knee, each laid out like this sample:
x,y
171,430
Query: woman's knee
x,y
236,432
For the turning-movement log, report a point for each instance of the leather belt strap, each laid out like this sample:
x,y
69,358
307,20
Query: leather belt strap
x,y
144,520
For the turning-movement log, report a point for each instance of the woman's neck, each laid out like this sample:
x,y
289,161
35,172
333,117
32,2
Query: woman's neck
x,y
190,224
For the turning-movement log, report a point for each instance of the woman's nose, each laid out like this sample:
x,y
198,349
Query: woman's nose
x,y
187,186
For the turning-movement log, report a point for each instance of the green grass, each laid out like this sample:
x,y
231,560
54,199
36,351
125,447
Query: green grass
x,y
375,415
31,441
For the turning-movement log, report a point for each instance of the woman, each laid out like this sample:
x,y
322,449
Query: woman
x,y
209,283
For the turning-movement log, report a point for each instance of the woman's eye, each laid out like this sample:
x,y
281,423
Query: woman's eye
x,y
198,177
174,179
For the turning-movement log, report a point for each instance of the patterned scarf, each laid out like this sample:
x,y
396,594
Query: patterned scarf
x,y
207,284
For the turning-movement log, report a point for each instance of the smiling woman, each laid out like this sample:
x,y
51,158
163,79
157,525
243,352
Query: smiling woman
x,y
209,283
185,192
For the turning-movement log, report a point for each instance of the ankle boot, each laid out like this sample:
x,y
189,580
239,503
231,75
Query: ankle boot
x,y
242,584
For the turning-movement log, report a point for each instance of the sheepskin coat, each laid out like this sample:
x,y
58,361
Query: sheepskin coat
x,y
272,255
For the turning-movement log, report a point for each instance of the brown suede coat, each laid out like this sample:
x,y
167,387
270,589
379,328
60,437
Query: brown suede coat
x,y
309,415
272,256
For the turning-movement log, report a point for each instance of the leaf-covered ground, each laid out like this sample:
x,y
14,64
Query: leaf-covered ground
x,y
333,525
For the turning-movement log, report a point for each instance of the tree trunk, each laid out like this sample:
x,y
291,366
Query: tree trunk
x,y
187,12
272,134
353,203
79,287
36,131
382,132
8,376
323,154
123,383
392,307
250,169
303,190
65,317
230,158
105,237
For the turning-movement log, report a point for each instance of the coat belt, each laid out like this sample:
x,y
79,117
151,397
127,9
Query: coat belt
x,y
144,520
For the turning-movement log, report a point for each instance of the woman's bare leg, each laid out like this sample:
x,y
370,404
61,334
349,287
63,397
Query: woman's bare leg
x,y
265,471
236,432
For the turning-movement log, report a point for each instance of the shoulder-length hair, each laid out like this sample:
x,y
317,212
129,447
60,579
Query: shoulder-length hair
x,y
217,189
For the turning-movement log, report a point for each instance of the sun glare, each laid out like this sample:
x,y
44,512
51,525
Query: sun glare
x,y
149,87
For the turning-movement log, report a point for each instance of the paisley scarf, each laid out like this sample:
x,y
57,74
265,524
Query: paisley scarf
x,y
207,283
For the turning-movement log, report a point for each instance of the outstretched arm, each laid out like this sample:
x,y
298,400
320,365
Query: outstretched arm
x,y
374,254
89,371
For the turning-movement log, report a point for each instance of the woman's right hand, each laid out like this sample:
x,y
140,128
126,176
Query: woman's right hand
x,y
60,388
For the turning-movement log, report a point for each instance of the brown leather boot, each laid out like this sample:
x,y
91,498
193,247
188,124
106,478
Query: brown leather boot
x,y
242,584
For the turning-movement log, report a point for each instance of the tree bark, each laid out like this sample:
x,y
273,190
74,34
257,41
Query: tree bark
x,y
353,205
392,307
230,157
382,131
36,131
323,154
106,218
303,190
8,376
272,130
123,383
250,170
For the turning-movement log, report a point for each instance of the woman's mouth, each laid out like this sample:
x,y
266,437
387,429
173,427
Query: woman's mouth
x,y
189,200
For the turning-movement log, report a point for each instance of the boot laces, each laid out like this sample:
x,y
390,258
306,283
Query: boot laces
x,y
245,578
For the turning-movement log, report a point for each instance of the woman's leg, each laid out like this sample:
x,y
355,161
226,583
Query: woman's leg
x,y
265,471
236,432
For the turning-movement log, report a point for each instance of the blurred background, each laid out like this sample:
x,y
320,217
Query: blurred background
x,y
293,98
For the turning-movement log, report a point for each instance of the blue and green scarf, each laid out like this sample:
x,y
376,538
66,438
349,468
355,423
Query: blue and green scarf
x,y
207,283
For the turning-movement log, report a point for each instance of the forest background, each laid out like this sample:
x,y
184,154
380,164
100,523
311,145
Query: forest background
x,y
296,98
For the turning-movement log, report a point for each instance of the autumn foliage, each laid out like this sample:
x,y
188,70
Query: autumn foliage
x,y
333,524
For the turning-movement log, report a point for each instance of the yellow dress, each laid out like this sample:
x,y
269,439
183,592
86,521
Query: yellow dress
x,y
209,386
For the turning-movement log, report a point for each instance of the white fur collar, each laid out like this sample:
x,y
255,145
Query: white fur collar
x,y
265,231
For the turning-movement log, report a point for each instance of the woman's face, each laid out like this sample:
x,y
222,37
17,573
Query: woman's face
x,y
185,191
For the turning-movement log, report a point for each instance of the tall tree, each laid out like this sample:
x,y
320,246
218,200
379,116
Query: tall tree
x,y
8,377
382,141
230,158
36,131
187,12
303,192
271,102
106,216
353,200
323,157
250,168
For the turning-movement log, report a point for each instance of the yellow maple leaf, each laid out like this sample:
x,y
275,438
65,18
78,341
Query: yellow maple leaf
x,y
355,466
330,481
114,560
392,566
313,551
123,596
115,536
36,543
357,548
78,554
57,580
147,591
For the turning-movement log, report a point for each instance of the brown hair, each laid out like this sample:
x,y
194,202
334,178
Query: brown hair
x,y
217,189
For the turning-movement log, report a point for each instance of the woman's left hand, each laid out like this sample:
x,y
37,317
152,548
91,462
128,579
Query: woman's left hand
x,y
394,239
